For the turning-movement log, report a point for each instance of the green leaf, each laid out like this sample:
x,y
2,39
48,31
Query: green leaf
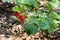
x,y
16,8
19,9
35,3
29,2
29,7
45,25
55,15
59,5
9,0
51,29
55,21
31,29
34,20
54,5
49,6
55,1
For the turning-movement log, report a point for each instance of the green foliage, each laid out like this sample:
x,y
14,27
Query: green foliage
x,y
31,29
9,0
55,15
55,1
29,2
39,19
18,8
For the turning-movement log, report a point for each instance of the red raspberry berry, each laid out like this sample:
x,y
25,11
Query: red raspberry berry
x,y
17,14
22,18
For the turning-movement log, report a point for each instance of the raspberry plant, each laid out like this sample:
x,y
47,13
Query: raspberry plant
x,y
45,19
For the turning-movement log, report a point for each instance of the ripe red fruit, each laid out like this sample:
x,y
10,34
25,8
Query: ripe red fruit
x,y
17,14
22,18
